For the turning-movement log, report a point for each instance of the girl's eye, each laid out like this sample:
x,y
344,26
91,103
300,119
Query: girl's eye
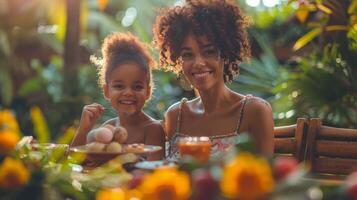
x,y
138,87
118,86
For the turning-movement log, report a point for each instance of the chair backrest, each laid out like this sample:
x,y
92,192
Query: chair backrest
x,y
331,150
289,140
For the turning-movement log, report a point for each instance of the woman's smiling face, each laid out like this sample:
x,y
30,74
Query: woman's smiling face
x,y
127,88
201,62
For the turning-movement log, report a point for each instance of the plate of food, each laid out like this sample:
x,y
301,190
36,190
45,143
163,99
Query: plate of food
x,y
115,148
48,146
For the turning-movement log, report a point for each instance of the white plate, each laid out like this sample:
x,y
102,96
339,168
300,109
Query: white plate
x,y
151,165
48,146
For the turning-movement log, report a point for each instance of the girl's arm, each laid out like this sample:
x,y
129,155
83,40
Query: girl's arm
x,y
155,135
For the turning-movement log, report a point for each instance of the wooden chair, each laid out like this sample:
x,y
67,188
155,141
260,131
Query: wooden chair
x,y
290,140
331,151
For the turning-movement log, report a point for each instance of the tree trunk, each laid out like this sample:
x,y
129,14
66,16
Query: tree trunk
x,y
71,49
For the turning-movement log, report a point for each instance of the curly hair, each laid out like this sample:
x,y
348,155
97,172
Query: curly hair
x,y
120,48
220,20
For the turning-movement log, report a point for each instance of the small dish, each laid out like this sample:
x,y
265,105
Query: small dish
x,y
152,165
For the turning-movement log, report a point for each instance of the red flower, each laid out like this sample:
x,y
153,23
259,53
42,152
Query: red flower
x,y
351,183
283,166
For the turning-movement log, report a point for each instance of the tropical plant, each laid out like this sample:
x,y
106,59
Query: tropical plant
x,y
321,82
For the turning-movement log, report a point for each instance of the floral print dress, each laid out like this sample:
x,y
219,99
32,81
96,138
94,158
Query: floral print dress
x,y
220,143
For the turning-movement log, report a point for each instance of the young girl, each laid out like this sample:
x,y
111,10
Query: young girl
x,y
204,41
125,77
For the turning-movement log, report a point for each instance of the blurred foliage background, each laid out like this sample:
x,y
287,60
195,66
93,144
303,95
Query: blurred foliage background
x,y
304,57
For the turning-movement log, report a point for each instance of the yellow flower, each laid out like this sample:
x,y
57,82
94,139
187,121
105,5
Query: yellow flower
x,y
8,121
247,178
8,140
110,194
13,174
40,125
166,184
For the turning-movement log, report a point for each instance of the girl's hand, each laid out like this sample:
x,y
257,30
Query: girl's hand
x,y
90,115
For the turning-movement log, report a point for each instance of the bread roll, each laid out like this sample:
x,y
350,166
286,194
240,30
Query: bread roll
x,y
95,147
103,135
113,147
120,135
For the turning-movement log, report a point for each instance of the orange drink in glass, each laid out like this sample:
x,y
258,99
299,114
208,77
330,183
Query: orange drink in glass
x,y
197,147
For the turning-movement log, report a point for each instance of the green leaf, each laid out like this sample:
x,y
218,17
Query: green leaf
x,y
105,23
4,44
307,38
353,7
323,8
336,28
6,87
31,85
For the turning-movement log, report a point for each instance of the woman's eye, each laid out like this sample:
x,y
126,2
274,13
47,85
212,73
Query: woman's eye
x,y
186,55
210,52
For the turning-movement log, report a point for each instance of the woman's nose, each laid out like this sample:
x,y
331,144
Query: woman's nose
x,y
199,60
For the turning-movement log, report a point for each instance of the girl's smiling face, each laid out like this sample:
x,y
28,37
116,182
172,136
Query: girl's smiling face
x,y
127,88
201,62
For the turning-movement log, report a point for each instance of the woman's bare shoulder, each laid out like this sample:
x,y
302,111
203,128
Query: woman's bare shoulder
x,y
174,108
173,111
257,104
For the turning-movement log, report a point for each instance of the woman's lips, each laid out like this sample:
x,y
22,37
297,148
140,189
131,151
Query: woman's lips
x,y
201,74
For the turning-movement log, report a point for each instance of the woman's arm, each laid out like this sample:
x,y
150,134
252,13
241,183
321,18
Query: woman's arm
x,y
170,119
261,125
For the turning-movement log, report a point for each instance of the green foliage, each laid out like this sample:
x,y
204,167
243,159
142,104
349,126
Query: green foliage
x,y
322,86
259,75
321,82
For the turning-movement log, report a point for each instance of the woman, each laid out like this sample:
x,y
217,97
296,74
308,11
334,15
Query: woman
x,y
204,41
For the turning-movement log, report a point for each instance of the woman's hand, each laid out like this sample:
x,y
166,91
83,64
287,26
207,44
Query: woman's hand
x,y
90,115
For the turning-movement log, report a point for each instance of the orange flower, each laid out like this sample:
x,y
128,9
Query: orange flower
x,y
166,184
247,178
8,140
110,194
8,121
102,4
13,174
118,194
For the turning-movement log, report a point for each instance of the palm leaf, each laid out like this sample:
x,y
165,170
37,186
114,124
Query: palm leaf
x,y
307,38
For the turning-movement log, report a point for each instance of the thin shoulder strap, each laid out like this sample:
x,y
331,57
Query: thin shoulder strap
x,y
179,117
246,98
